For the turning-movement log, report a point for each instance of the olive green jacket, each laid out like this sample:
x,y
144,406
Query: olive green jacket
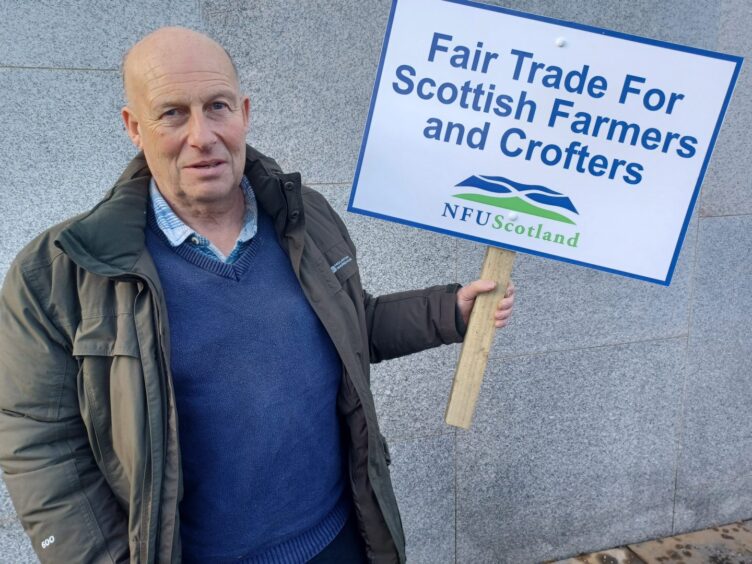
x,y
88,425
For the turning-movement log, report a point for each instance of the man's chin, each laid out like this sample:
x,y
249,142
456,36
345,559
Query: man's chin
x,y
211,190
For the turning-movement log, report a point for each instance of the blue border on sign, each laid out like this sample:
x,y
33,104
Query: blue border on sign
x,y
655,42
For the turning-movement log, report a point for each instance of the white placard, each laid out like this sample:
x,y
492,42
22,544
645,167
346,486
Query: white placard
x,y
540,136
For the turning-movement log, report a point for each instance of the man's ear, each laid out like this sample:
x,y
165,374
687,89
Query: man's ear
x,y
246,107
131,126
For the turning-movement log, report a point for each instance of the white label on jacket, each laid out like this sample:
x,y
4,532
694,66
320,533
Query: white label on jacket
x,y
340,263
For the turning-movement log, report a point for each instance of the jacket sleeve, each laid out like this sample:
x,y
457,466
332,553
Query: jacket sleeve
x,y
408,322
64,504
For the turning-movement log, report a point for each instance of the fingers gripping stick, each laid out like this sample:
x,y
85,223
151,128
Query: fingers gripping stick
x,y
480,332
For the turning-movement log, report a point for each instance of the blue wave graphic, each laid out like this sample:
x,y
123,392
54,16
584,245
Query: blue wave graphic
x,y
518,185
501,185
483,184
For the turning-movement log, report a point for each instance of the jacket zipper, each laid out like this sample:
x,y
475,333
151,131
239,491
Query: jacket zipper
x,y
145,284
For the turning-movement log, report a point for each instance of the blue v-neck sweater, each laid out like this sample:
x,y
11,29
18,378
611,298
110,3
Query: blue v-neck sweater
x,y
256,379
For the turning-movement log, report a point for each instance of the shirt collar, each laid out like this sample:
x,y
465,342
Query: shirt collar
x,y
177,231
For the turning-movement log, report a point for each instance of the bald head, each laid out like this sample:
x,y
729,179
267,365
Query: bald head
x,y
168,43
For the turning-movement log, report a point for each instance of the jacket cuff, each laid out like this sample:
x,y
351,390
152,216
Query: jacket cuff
x,y
454,330
459,323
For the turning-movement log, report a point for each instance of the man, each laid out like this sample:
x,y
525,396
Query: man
x,y
262,368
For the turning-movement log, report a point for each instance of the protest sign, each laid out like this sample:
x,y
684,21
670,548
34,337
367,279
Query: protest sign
x,y
540,136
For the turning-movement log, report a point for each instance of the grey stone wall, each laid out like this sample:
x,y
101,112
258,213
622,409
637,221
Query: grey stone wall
x,y
613,410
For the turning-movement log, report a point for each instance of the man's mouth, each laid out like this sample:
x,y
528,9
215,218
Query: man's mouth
x,y
206,164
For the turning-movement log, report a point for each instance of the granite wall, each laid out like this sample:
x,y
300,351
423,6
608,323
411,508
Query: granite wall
x,y
613,410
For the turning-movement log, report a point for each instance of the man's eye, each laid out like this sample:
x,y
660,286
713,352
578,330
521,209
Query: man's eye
x,y
219,106
172,112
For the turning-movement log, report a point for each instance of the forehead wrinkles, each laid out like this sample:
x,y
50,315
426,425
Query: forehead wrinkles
x,y
187,84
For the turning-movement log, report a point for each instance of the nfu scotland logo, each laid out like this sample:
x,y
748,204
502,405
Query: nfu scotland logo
x,y
530,200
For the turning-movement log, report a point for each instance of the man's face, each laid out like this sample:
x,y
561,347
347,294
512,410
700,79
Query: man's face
x,y
187,114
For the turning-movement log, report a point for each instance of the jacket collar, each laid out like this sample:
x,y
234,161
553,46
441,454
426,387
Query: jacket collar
x,y
109,240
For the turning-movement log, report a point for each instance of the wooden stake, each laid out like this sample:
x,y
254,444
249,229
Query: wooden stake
x,y
480,333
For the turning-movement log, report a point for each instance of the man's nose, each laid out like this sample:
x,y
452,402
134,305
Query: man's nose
x,y
200,132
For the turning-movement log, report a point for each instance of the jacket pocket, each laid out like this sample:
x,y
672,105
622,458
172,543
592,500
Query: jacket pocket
x,y
111,398
57,515
108,335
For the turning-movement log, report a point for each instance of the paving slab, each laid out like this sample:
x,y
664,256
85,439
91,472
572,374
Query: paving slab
x,y
423,478
15,547
62,161
728,544
569,452
84,34
714,481
727,185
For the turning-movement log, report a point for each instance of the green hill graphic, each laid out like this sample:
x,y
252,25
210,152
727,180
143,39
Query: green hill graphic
x,y
515,204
